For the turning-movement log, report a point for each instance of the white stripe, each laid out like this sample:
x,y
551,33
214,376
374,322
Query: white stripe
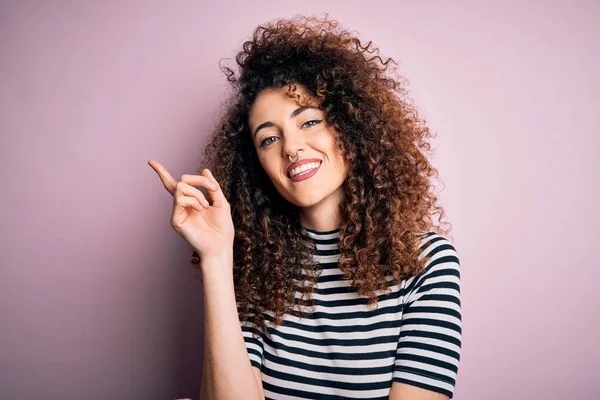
x,y
332,258
389,303
432,342
364,349
434,316
336,335
359,378
428,354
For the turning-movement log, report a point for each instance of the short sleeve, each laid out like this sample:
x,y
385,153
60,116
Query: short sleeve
x,y
429,344
254,345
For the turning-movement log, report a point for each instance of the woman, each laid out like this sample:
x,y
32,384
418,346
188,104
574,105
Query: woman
x,y
324,274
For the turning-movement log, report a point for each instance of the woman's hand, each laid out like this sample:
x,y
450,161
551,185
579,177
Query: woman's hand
x,y
208,228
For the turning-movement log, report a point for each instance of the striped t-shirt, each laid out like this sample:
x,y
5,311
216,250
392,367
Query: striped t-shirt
x,y
344,350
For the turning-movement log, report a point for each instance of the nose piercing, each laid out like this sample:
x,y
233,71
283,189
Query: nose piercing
x,y
290,157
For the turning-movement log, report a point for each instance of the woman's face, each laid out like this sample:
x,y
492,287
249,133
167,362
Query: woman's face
x,y
281,128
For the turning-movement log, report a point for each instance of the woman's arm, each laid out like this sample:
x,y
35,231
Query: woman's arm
x,y
227,372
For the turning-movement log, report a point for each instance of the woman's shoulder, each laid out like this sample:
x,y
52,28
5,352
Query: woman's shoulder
x,y
432,243
440,253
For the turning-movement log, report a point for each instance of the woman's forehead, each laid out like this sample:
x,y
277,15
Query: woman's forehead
x,y
278,97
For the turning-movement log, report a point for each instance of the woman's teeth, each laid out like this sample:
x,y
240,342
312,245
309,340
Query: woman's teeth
x,y
304,168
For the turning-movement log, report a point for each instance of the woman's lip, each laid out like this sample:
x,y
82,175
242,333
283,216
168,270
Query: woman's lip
x,y
300,177
300,163
306,162
290,169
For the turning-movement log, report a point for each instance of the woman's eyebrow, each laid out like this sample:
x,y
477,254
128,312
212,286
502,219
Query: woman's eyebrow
x,y
269,123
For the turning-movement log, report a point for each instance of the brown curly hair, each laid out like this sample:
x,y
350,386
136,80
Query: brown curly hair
x,y
389,199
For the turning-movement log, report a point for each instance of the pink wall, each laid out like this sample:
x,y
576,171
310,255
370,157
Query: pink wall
x,y
97,300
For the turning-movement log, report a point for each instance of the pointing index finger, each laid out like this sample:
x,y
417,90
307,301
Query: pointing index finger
x,y
168,181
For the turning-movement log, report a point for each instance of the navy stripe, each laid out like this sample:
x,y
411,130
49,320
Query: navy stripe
x,y
307,395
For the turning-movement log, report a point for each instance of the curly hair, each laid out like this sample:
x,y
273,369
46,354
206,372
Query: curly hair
x,y
389,200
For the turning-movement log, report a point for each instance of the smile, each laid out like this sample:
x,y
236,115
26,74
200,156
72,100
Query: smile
x,y
304,172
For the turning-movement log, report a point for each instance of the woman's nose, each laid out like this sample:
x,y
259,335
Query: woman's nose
x,y
292,144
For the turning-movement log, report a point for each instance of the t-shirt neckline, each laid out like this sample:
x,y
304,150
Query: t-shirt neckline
x,y
336,230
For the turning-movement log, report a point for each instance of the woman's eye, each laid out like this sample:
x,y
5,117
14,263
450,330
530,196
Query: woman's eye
x,y
307,124
310,123
266,142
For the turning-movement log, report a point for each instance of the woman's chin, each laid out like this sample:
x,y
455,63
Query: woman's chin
x,y
305,201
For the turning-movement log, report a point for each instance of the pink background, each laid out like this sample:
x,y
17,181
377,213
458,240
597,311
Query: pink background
x,y
97,298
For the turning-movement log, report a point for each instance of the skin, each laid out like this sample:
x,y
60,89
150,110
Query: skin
x,y
281,133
